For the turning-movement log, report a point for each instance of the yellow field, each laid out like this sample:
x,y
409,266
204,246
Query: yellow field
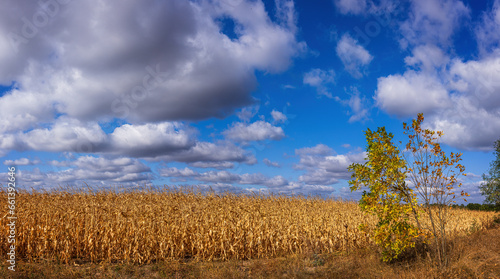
x,y
146,226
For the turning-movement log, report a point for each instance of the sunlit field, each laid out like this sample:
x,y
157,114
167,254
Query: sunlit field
x,y
152,225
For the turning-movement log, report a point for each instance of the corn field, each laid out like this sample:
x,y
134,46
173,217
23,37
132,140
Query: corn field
x,y
151,225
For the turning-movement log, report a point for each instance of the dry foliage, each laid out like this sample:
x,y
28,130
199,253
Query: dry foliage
x,y
150,225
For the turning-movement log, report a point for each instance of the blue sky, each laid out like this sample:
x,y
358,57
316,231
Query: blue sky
x,y
240,95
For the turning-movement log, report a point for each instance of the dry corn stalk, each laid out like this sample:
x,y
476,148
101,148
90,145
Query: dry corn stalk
x,y
151,225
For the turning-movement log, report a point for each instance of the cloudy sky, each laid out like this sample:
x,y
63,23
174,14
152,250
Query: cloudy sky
x,y
240,95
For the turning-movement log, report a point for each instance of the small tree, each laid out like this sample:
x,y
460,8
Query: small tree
x,y
389,197
490,188
434,176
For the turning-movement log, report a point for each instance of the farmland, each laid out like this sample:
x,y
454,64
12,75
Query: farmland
x,y
156,225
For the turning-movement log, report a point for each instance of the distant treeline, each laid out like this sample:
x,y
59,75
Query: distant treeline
x,y
478,206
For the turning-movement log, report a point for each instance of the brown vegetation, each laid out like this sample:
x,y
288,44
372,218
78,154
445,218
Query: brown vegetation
x,y
150,226
474,256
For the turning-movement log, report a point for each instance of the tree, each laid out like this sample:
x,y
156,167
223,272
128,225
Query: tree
x,y
389,197
434,176
490,188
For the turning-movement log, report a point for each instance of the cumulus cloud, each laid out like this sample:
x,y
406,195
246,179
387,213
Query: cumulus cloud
x,y
411,93
91,170
256,131
428,58
478,79
168,141
465,106
34,110
150,140
354,56
66,134
458,97
148,61
225,177
276,181
320,79
467,126
208,153
218,176
323,167
148,65
71,135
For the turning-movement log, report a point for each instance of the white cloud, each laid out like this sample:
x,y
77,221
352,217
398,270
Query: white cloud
x,y
428,58
19,115
458,97
174,61
91,170
247,113
351,6
261,43
363,7
358,105
168,141
358,108
276,181
150,140
411,93
467,126
432,22
478,79
318,189
321,165
256,131
219,153
252,178
66,134
354,56
319,176
488,31
8,142
21,162
320,79
220,188
226,177
278,117
104,165
324,168
215,165
269,163
461,98
218,176
319,149
170,63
